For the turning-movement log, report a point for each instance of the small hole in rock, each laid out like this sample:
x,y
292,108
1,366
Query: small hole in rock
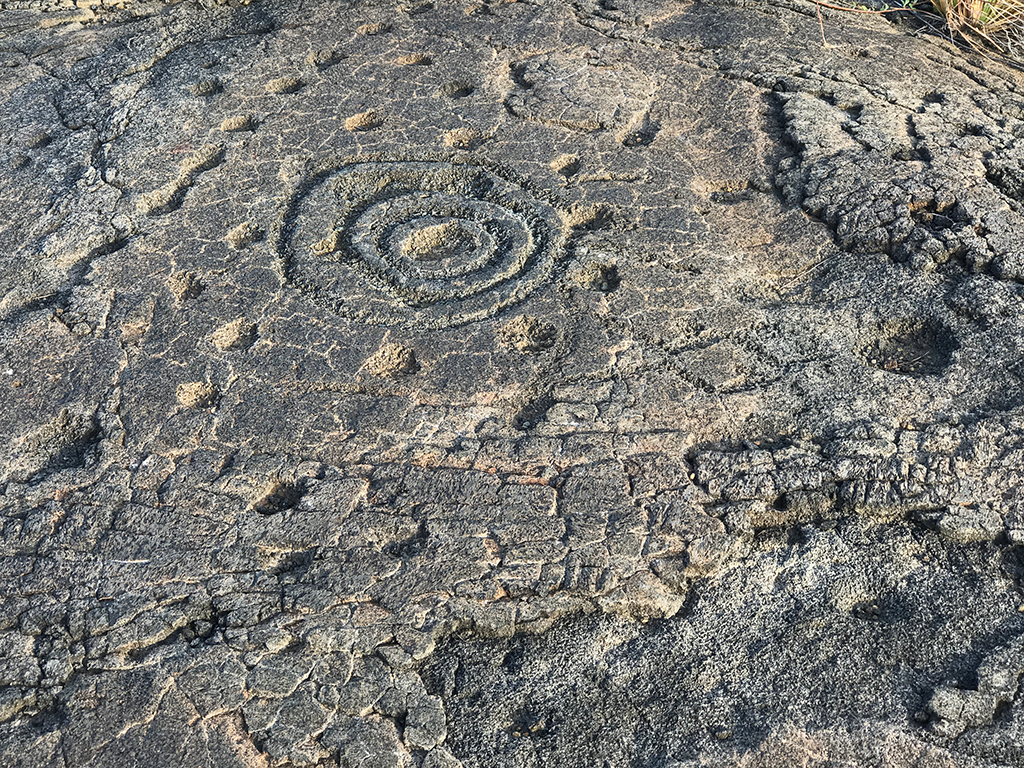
x,y
911,347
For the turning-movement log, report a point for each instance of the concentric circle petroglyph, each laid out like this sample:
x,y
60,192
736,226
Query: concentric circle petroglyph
x,y
424,243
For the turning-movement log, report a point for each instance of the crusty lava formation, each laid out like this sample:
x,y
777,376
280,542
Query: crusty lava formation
x,y
424,384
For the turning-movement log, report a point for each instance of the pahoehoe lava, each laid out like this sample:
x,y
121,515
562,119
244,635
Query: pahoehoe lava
x,y
472,383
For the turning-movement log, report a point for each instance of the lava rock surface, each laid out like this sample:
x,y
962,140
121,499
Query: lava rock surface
x,y
564,382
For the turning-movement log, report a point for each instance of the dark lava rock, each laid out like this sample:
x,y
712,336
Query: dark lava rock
x,y
568,383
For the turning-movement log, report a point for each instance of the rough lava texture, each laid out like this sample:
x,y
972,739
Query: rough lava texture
x,y
614,383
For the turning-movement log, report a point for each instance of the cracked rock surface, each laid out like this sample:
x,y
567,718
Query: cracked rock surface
x,y
438,384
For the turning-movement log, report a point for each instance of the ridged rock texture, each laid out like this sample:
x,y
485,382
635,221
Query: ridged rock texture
x,y
583,383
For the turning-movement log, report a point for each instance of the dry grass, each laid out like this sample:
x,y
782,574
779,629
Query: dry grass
x,y
997,23
988,26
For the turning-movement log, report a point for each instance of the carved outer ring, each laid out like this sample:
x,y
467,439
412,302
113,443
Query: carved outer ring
x,y
374,290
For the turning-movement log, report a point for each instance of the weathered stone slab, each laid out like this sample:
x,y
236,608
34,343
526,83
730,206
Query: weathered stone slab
x,y
495,383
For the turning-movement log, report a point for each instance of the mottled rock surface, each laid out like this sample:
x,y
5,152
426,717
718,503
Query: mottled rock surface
x,y
576,383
